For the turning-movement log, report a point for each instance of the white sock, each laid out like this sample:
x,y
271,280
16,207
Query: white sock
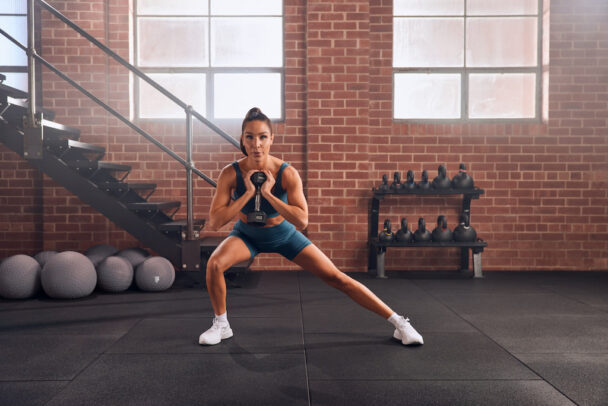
x,y
394,319
222,318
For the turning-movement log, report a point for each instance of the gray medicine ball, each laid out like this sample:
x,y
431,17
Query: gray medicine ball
x,y
114,274
155,274
99,252
134,255
68,275
44,256
19,277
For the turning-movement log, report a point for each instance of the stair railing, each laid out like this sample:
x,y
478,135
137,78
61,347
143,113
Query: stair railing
x,y
32,121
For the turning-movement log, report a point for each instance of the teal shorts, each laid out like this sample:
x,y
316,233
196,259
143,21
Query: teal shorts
x,y
283,239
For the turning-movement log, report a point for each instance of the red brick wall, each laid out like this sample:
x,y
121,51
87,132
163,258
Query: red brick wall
x,y
545,203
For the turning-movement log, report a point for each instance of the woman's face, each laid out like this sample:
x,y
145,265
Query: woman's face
x,y
257,140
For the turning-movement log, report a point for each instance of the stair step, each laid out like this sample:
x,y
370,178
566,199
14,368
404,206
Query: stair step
x,y
18,108
153,206
123,186
12,92
62,147
54,129
178,226
95,165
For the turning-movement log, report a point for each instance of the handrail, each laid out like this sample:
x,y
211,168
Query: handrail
x,y
139,73
111,110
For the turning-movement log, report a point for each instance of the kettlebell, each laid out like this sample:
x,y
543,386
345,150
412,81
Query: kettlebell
x,y
424,182
386,235
384,187
403,234
442,233
422,234
462,180
409,183
441,181
396,185
464,232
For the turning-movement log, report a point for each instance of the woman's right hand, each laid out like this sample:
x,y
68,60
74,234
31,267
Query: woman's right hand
x,y
249,186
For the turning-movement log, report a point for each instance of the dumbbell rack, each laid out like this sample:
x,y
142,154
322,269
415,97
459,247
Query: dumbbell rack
x,y
377,249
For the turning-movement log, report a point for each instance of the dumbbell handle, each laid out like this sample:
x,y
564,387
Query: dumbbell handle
x,y
258,196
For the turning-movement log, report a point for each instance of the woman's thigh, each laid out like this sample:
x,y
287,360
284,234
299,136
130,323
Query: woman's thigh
x,y
313,260
230,252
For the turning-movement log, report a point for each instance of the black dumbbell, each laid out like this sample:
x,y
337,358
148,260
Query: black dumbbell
x,y
257,217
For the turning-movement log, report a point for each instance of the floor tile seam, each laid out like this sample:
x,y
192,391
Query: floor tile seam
x,y
483,333
426,380
579,301
210,317
176,354
500,346
32,380
137,323
84,368
560,353
307,377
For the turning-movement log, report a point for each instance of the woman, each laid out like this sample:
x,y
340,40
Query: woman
x,y
287,212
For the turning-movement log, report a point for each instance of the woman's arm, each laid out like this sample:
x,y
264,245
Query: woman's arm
x,y
296,211
223,208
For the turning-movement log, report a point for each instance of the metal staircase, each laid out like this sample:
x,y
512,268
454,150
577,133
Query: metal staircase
x,y
57,151
78,167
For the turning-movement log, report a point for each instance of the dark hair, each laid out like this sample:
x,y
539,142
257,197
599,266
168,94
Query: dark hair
x,y
254,114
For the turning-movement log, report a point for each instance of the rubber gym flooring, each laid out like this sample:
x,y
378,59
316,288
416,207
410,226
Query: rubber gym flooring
x,y
511,338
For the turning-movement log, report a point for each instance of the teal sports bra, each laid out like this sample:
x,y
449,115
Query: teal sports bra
x,y
265,206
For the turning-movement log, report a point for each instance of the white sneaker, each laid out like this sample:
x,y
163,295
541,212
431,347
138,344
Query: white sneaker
x,y
216,333
406,333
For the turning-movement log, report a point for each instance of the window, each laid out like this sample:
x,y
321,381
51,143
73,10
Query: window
x,y
221,56
13,61
467,59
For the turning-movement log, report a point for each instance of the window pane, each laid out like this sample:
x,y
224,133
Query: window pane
x,y
236,93
246,7
173,7
502,7
16,79
509,95
11,54
428,7
427,96
503,42
172,42
244,41
189,87
13,7
428,42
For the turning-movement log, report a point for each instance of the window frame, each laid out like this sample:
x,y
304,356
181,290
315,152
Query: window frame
x,y
465,71
18,68
209,71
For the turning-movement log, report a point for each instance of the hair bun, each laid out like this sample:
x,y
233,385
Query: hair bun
x,y
254,113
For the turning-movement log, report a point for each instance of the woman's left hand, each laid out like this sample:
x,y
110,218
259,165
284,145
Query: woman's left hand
x,y
267,186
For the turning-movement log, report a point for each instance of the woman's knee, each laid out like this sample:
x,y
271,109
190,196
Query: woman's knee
x,y
339,281
216,265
